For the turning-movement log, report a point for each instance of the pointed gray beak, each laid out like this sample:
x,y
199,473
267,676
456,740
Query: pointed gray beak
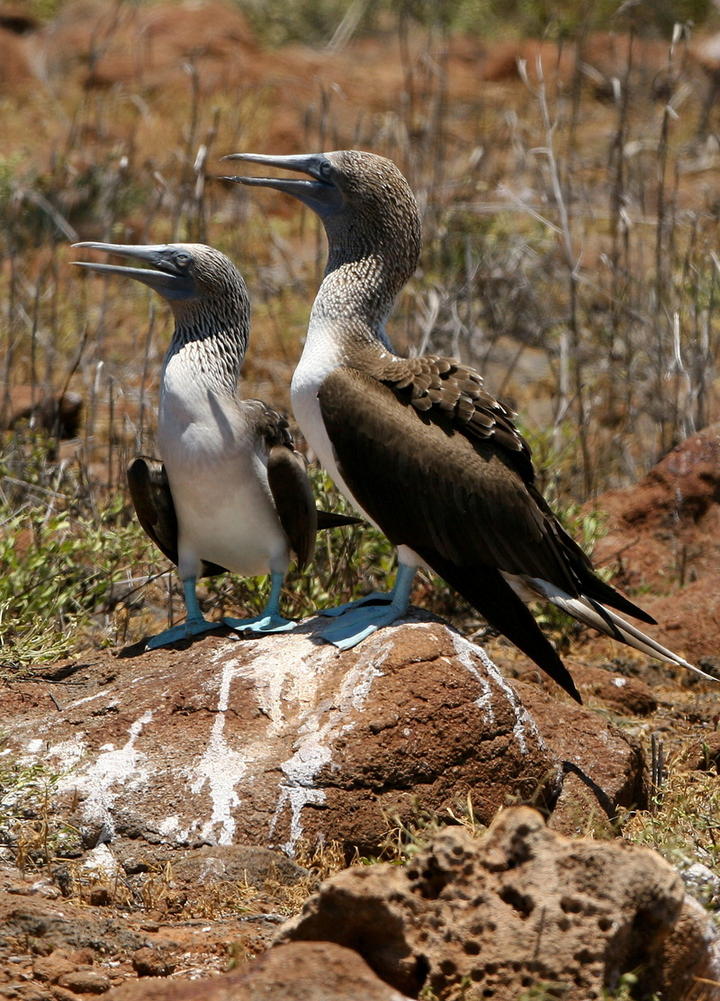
x,y
164,277
320,193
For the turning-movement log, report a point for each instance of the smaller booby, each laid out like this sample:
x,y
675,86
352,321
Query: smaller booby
x,y
418,445
231,492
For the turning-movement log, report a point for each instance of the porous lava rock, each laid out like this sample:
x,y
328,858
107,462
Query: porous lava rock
x,y
521,908
299,971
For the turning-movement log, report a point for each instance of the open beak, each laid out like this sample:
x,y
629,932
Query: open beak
x,y
163,276
321,195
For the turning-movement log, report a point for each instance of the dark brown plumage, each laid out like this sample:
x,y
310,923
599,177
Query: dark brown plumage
x,y
418,444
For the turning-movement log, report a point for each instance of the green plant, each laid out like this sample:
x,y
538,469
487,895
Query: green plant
x,y
60,551
29,830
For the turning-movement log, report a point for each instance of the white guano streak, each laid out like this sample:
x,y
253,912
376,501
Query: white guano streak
x,y
320,727
120,767
220,766
467,653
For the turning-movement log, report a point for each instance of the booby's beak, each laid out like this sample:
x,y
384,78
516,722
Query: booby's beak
x,y
166,277
320,193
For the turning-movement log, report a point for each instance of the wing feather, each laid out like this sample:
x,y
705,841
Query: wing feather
x,y
294,501
155,508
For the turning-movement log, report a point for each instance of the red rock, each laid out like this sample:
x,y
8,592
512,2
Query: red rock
x,y
270,740
149,962
85,981
518,908
299,971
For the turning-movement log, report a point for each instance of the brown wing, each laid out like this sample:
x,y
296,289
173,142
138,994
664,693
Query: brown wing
x,y
294,501
290,486
155,509
445,471
287,479
431,485
453,394
457,501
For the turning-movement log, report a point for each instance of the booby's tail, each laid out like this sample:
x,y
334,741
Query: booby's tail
x,y
591,613
497,601
329,519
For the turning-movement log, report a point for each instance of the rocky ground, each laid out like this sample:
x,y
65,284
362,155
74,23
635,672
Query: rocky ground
x,y
171,803
421,817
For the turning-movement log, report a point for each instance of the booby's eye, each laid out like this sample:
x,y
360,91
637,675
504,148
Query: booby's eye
x,y
325,170
182,259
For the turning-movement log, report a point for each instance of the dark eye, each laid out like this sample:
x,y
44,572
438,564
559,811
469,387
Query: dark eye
x,y
325,170
182,259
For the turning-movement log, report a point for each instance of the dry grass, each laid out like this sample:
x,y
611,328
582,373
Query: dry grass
x,y
568,241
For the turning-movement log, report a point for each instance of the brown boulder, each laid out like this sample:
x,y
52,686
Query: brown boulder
x,y
299,971
272,740
603,767
520,908
704,755
665,530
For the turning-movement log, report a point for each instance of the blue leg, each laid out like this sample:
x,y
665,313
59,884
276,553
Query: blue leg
x,y
271,621
194,624
360,621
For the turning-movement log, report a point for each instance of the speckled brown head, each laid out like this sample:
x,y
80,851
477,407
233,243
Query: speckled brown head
x,y
205,291
364,201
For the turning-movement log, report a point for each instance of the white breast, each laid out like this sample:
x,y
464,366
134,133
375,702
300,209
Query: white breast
x,y
319,358
218,479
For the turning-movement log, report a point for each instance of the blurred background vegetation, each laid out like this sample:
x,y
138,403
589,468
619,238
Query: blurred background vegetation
x,y
566,161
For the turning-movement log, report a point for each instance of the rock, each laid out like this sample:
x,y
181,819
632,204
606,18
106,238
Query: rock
x,y
248,865
523,906
603,767
149,962
627,696
299,971
663,535
702,884
704,755
85,982
50,968
284,738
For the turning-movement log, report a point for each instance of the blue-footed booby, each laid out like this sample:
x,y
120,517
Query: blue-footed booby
x,y
231,492
418,445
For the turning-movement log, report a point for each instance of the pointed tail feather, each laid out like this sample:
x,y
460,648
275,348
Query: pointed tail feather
x,y
329,519
598,590
586,611
488,591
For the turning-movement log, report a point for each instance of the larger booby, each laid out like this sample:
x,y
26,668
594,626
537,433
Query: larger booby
x,y
417,444
231,493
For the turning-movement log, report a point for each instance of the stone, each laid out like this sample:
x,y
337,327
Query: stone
x,y
704,755
522,907
148,962
604,768
85,981
625,695
283,739
299,971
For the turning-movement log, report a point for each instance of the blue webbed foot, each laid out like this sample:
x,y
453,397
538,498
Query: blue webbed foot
x,y
272,623
183,631
361,619
357,624
376,598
